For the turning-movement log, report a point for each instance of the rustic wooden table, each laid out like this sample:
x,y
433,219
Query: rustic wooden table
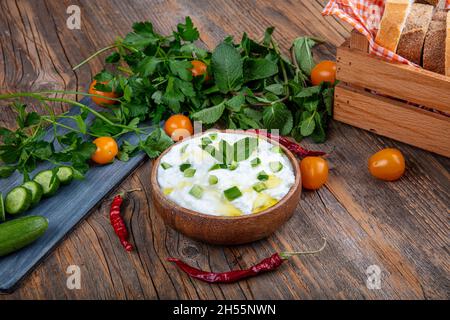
x,y
401,227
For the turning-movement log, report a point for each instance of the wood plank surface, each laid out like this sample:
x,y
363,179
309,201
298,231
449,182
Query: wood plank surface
x,y
404,82
397,120
402,227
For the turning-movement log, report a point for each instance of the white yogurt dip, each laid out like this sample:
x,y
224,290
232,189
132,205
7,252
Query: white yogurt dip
x,y
250,180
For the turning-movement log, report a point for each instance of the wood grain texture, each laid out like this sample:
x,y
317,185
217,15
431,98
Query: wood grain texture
x,y
401,227
404,82
394,119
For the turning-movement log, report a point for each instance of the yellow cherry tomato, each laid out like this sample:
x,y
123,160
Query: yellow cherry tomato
x,y
387,164
314,172
178,127
199,68
99,100
324,71
107,150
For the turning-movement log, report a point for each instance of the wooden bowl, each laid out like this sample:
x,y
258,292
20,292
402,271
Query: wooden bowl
x,y
226,230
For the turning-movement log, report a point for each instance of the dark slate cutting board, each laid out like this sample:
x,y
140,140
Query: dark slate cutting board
x,y
68,207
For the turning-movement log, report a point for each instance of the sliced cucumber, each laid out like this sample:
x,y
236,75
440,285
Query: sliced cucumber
x,y
36,191
49,185
2,209
18,200
65,174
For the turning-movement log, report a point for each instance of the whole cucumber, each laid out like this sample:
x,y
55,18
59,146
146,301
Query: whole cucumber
x,y
18,233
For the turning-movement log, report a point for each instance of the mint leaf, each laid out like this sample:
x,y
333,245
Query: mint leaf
x,y
288,125
319,135
275,88
303,55
327,96
253,113
209,115
255,69
308,92
307,126
227,67
235,103
274,116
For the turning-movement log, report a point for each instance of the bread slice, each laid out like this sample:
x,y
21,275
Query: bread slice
x,y
432,2
434,46
411,41
392,23
447,47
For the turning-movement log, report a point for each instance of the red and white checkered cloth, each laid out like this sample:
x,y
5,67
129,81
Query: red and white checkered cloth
x,y
364,16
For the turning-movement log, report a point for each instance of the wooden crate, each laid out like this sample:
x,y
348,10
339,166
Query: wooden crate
x,y
392,100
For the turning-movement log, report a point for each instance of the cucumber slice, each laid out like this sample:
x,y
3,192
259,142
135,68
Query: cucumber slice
x,y
2,209
44,178
18,200
36,191
65,175
196,191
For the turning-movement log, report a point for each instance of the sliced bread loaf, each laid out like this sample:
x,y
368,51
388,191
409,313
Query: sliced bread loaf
x,y
411,41
434,46
392,23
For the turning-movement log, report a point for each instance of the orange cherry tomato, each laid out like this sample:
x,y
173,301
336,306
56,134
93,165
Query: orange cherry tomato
x,y
387,164
314,172
107,150
199,68
178,127
102,101
324,71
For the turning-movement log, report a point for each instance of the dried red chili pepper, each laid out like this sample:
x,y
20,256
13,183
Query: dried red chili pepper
x,y
290,145
268,264
117,221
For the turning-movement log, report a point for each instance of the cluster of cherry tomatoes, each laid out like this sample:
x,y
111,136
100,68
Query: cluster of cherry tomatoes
x,y
387,164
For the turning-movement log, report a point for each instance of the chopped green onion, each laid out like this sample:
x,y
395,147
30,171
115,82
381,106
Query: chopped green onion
x,y
213,136
206,141
233,165
196,191
218,166
275,166
277,149
189,172
232,193
262,176
165,165
184,166
255,162
213,180
260,186
183,149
